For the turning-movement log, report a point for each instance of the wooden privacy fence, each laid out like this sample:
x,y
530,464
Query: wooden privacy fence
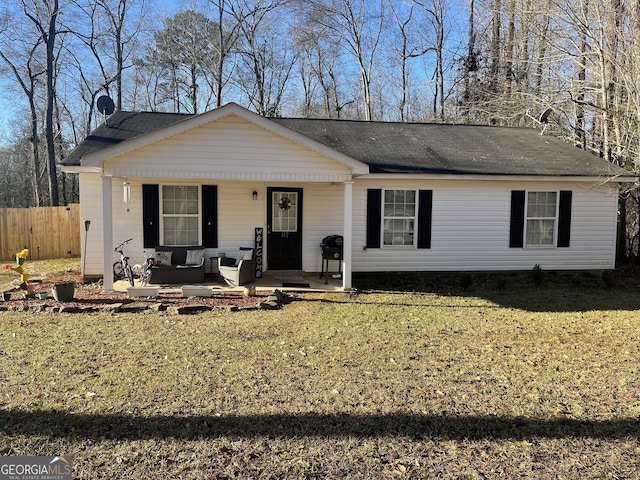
x,y
48,232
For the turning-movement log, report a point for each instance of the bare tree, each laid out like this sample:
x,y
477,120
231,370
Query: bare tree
x,y
407,49
111,38
359,27
226,33
266,58
40,28
319,56
436,14
19,51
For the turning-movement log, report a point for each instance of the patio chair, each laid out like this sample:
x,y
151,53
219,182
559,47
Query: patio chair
x,y
240,270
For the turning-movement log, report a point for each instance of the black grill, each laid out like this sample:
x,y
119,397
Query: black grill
x,y
331,247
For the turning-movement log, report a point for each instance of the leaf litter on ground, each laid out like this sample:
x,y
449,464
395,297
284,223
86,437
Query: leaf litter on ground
x,y
374,385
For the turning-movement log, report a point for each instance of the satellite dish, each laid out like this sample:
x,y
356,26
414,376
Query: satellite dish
x,y
105,105
544,117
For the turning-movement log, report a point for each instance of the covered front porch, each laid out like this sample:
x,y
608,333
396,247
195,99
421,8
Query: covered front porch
x,y
212,182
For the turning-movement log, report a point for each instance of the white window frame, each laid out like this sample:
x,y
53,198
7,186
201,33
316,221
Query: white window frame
x,y
163,215
393,217
555,218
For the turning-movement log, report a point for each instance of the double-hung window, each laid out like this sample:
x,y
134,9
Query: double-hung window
x,y
540,218
399,217
180,214
541,221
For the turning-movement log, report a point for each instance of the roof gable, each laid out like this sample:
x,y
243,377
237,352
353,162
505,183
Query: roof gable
x,y
229,148
126,132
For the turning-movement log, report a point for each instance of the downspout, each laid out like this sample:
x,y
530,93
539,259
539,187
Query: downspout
x,y
347,239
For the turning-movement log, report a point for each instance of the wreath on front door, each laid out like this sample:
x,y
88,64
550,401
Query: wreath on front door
x,y
284,203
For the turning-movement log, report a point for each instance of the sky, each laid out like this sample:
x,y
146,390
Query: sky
x,y
13,105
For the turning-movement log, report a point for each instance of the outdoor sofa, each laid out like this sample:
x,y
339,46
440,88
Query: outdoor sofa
x,y
185,265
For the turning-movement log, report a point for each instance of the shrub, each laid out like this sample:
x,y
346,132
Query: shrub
x,y
609,278
537,274
466,280
500,283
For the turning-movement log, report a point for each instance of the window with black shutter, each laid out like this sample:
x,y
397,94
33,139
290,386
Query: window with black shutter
x,y
176,208
540,218
395,217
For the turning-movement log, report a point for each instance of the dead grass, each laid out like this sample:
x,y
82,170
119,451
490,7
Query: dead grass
x,y
486,384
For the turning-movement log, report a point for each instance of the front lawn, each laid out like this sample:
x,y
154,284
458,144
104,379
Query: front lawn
x,y
484,384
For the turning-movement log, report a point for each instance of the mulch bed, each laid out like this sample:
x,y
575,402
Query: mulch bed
x,y
87,295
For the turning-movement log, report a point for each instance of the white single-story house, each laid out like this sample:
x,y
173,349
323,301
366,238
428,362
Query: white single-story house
x,y
404,196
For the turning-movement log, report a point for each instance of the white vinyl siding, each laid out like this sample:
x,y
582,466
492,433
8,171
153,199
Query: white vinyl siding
x,y
323,215
228,149
91,209
470,228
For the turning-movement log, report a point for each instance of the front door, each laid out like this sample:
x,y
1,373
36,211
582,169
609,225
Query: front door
x,y
284,228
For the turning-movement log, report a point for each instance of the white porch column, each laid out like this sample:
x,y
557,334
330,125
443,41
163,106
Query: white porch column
x,y
347,235
107,235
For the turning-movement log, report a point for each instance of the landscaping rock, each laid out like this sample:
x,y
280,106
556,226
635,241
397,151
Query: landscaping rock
x,y
269,305
68,309
112,307
187,309
133,307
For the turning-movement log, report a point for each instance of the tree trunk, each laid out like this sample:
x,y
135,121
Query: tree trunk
x,y
580,132
35,152
621,248
470,63
50,40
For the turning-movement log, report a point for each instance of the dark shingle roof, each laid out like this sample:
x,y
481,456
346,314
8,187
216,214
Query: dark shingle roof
x,y
452,149
122,126
389,147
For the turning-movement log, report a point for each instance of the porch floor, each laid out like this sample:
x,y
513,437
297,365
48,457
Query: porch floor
x,y
271,280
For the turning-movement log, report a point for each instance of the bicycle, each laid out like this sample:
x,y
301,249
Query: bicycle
x,y
122,269
143,272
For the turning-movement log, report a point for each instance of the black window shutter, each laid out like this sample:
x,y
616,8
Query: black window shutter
x,y
374,217
151,215
516,234
425,201
210,216
564,218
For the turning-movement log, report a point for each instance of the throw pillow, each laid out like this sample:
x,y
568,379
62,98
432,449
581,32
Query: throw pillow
x,y
226,262
243,255
194,257
163,258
